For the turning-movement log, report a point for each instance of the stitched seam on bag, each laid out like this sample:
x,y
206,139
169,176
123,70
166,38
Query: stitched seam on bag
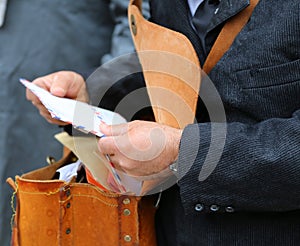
x,y
52,193
39,193
98,190
12,200
55,192
73,185
97,198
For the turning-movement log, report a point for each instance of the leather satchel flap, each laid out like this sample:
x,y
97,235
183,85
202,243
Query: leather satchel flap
x,y
171,69
170,64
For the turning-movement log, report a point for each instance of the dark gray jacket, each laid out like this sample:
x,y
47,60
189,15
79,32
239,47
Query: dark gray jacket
x,y
252,196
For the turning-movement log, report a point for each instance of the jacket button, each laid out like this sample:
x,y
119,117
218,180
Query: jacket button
x,y
229,209
214,208
199,207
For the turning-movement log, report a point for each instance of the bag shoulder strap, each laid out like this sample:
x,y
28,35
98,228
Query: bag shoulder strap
x,y
227,35
171,69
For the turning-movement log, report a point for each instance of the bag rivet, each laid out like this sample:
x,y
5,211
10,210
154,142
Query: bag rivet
x,y
126,212
50,160
126,201
127,238
68,231
68,205
133,25
68,192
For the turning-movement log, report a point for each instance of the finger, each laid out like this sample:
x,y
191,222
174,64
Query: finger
x,y
112,183
113,130
32,97
67,85
44,82
114,162
45,113
62,84
46,116
107,146
51,120
51,83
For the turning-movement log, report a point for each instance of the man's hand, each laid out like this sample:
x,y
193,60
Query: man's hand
x,y
140,148
62,84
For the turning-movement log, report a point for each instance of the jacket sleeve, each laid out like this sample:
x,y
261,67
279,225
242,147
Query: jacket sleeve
x,y
259,169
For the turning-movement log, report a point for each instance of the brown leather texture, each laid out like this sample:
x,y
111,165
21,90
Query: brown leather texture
x,y
53,212
170,66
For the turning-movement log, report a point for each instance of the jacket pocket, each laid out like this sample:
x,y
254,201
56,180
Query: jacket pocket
x,y
270,92
273,76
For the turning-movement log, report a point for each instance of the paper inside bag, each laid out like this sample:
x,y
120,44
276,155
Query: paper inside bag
x,y
85,148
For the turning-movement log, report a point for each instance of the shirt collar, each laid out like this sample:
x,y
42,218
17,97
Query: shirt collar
x,y
194,4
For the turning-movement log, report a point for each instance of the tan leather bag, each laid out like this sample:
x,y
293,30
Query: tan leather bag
x,y
53,212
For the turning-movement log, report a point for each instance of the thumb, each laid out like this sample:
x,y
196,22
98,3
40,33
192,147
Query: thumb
x,y
66,84
113,130
55,83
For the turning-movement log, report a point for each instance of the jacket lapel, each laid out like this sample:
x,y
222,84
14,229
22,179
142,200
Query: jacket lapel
x,y
227,9
177,17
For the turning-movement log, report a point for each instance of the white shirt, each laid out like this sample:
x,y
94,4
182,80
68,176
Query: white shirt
x,y
194,4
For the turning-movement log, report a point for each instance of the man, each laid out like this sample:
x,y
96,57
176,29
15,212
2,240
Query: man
x,y
252,196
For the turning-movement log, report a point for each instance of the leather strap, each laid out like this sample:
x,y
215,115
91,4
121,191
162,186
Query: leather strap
x,y
227,35
171,69
173,84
